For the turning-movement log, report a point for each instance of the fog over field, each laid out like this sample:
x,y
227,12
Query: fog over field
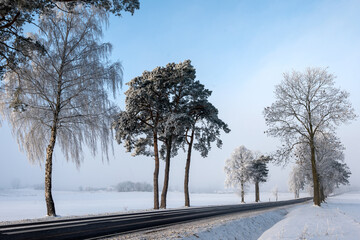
x,y
240,50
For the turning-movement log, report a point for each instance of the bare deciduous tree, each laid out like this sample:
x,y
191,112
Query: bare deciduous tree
x,y
238,169
296,180
306,104
62,96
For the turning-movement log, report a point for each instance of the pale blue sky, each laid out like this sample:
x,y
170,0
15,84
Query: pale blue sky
x,y
240,50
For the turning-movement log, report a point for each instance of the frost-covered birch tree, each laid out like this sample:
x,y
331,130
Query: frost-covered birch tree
x,y
63,96
238,169
306,104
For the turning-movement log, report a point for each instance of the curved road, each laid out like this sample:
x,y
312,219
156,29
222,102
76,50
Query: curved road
x,y
95,227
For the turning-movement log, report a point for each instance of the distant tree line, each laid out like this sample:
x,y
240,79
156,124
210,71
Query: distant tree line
x,y
129,186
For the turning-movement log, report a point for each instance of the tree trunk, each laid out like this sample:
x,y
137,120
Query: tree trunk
x,y
187,171
156,173
257,194
50,149
322,195
167,171
242,192
315,175
48,172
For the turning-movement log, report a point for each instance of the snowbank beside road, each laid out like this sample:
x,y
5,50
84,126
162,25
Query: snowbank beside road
x,y
250,227
339,218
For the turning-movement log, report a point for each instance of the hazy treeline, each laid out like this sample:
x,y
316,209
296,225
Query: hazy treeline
x,y
129,186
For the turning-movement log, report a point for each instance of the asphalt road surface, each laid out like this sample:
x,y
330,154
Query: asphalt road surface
x,y
97,227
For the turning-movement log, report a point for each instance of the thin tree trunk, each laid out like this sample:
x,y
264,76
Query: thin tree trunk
x,y
296,193
322,195
48,172
156,173
257,194
187,171
315,175
167,171
242,192
50,205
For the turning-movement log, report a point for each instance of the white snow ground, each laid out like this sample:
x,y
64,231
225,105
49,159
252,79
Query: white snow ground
x,y
22,204
240,226
248,226
339,218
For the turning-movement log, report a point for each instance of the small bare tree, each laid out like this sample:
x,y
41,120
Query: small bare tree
x,y
306,104
238,169
275,192
296,180
63,95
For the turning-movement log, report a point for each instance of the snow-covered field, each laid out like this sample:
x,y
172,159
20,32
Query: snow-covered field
x,y
29,204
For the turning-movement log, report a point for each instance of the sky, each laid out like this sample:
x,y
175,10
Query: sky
x,y
240,50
